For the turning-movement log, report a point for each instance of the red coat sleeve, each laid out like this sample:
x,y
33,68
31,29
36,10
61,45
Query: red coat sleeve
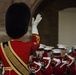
x,y
35,41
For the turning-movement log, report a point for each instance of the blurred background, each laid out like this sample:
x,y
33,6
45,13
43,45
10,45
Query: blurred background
x,y
57,26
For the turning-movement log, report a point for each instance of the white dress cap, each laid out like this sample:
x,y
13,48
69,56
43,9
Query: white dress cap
x,y
42,46
62,46
47,48
74,46
56,51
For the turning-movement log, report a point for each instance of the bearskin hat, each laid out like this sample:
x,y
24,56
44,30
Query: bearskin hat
x,y
17,20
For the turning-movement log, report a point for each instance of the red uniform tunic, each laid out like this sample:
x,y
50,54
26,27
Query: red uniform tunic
x,y
56,68
53,65
67,63
47,68
71,64
36,66
74,54
22,49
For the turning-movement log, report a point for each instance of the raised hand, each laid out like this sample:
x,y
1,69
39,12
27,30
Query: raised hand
x,y
37,20
35,23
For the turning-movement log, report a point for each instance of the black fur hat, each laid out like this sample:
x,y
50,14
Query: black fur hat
x,y
17,20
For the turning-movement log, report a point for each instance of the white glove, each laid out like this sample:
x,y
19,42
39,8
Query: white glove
x,y
65,62
3,71
35,23
57,60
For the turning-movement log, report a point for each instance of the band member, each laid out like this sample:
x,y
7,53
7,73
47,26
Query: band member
x,y
57,61
73,53
1,68
34,62
68,65
73,50
15,53
49,61
35,68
